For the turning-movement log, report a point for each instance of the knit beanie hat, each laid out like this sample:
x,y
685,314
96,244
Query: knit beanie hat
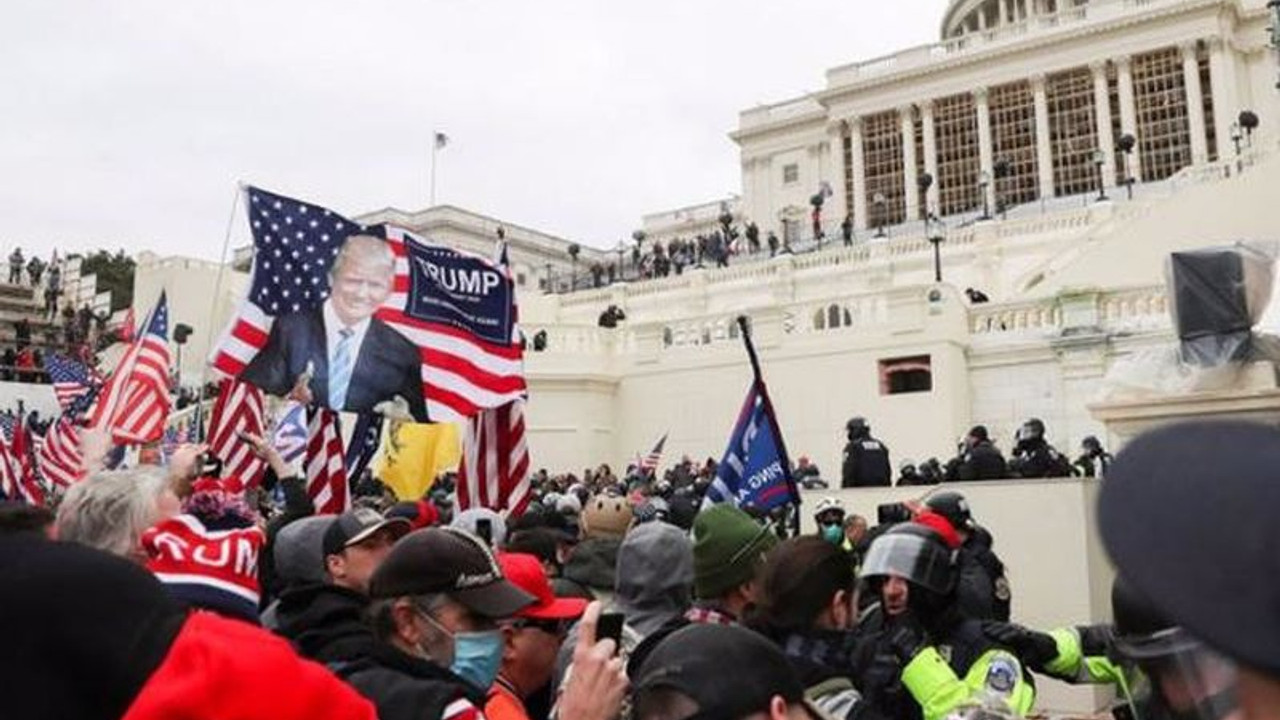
x,y
213,569
606,516
728,547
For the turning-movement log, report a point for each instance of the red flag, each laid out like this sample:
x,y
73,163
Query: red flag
x,y
60,458
238,409
16,473
326,464
494,472
134,402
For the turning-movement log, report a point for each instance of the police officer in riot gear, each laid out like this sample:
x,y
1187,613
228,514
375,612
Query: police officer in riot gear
x,y
983,590
1034,457
979,459
1093,460
866,460
923,659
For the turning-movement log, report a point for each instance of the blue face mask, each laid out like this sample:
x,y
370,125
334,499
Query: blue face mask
x,y
477,656
833,534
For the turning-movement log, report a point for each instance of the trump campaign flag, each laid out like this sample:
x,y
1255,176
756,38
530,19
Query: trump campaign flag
x,y
755,471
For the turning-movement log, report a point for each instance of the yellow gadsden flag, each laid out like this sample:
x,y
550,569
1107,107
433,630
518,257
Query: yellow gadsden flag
x,y
413,454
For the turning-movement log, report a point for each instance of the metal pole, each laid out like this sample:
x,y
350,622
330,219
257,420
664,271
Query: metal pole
x,y
937,259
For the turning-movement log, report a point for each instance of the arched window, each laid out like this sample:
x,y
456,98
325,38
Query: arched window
x,y
668,337
848,319
820,320
833,316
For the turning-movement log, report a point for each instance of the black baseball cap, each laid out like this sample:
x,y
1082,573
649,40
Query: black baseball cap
x,y
691,661
452,561
1188,514
356,526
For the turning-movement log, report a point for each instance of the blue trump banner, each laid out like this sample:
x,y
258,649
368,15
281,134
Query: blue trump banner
x,y
460,290
754,472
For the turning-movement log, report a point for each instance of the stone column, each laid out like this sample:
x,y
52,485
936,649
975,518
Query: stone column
x,y
1195,103
985,161
859,174
930,157
1128,113
1044,150
1222,82
910,189
835,209
1102,113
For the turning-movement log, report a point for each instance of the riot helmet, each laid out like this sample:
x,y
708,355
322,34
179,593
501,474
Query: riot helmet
x,y
857,428
914,553
1032,429
952,506
1181,678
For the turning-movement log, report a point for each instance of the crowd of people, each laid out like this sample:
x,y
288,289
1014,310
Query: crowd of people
x,y
176,593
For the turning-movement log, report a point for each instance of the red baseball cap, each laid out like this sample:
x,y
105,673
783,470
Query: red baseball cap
x,y
525,572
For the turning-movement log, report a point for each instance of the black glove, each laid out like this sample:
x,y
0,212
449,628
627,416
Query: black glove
x,y
1096,640
1034,649
905,638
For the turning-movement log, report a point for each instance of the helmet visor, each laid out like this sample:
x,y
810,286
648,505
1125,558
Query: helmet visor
x,y
1180,677
912,558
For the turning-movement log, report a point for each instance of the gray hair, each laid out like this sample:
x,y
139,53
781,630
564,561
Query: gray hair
x,y
110,510
364,248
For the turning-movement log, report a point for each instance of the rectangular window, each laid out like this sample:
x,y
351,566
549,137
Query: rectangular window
x,y
848,172
1013,142
1073,134
1164,134
882,158
906,375
956,135
790,173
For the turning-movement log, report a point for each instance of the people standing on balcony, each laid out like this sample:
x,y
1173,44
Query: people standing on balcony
x,y
979,459
1094,459
15,266
753,238
866,459
35,269
976,296
846,230
52,290
773,243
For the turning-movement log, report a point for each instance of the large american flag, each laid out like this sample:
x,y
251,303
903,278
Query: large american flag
x,y
238,409
72,381
134,403
295,243
494,472
326,466
60,459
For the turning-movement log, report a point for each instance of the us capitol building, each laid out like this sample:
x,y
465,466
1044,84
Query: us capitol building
x,y
1051,152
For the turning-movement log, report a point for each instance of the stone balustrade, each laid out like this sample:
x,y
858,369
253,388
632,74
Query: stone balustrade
x,y
1129,310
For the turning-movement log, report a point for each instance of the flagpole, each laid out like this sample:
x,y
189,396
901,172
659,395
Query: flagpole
x,y
435,148
198,435
745,326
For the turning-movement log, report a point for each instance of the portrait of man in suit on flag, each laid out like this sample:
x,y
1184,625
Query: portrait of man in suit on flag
x,y
356,360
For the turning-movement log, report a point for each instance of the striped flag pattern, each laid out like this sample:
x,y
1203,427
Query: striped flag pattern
x,y
462,374
71,380
649,463
238,409
60,459
295,242
326,466
135,402
290,434
494,472
17,476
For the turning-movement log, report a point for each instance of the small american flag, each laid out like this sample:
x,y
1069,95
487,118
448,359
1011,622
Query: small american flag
x,y
71,380
290,435
238,409
494,472
650,462
60,458
326,471
135,401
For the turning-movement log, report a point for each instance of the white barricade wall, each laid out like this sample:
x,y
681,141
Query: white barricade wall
x,y
1046,533
33,397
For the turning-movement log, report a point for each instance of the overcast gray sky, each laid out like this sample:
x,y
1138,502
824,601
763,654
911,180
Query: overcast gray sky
x,y
127,124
